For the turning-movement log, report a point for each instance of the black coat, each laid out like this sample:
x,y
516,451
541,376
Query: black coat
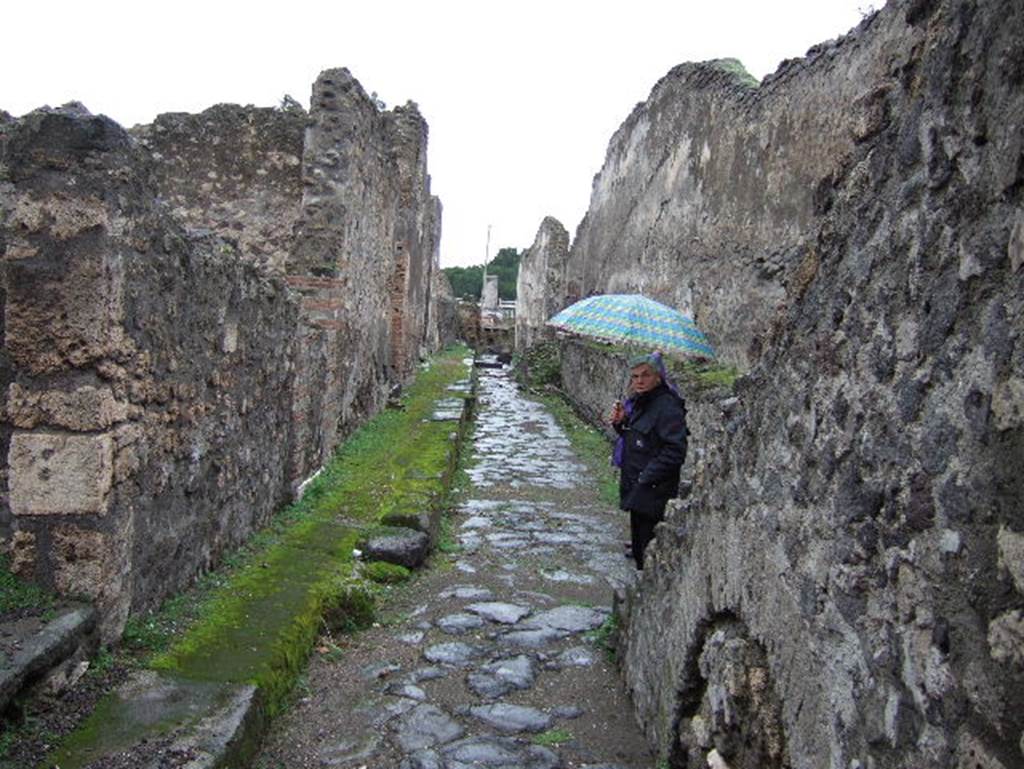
x,y
654,449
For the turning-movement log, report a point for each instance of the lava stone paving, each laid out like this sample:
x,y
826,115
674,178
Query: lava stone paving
x,y
492,657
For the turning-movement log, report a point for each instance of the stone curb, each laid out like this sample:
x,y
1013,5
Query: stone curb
x,y
55,642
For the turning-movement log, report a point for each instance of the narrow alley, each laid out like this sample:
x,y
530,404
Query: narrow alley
x,y
495,656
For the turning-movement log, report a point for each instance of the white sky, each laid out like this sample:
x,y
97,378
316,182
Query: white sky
x,y
521,97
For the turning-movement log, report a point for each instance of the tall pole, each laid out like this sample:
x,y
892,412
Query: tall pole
x,y
487,256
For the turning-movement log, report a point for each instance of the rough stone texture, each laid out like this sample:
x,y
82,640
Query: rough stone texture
x,y
59,473
711,189
401,546
235,171
38,647
541,285
194,314
835,575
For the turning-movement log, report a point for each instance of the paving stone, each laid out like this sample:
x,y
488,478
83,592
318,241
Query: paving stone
x,y
512,719
425,726
422,759
466,593
518,670
487,686
409,691
532,639
561,575
351,750
570,618
455,653
380,670
426,674
499,611
498,753
458,624
577,656
392,710
413,638
567,711
496,679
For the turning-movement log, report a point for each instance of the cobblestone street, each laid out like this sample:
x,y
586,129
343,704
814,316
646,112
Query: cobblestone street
x,y
493,657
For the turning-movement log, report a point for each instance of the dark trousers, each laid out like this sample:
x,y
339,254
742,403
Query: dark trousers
x,y
641,529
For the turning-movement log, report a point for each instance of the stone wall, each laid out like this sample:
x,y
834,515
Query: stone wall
x,y
540,286
169,381
843,587
234,171
710,189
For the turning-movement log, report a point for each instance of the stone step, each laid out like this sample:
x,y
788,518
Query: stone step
x,y
33,649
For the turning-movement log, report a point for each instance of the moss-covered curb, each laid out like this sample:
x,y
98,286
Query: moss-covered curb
x,y
259,624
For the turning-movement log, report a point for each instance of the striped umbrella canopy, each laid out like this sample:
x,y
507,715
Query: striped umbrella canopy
x,y
634,320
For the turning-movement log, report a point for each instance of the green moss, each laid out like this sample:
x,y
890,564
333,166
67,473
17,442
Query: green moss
x,y
18,595
703,375
256,620
386,573
553,737
540,365
606,636
735,67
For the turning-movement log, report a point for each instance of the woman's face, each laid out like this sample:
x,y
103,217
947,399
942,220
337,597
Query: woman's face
x,y
643,378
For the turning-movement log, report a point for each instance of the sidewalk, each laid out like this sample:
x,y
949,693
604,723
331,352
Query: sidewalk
x,y
494,657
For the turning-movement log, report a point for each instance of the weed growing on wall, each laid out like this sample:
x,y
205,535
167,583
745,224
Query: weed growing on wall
x,y
540,365
17,596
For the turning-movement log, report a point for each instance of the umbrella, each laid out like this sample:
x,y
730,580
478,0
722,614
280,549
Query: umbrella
x,y
633,319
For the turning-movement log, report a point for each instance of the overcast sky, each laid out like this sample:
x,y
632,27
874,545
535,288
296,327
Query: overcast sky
x,y
521,97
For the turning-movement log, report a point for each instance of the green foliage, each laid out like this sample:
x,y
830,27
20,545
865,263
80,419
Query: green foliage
x,y
735,67
506,266
702,375
18,595
606,636
386,573
352,607
553,737
468,282
540,365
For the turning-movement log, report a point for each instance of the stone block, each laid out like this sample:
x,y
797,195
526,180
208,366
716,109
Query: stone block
x,y
60,473
1006,638
23,553
1011,556
1008,404
84,409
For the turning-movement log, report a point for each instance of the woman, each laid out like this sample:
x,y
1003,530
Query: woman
x,y
652,446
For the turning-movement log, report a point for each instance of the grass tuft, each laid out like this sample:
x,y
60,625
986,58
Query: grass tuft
x,y
18,595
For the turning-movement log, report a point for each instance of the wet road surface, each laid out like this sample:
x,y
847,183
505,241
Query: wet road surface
x,y
494,655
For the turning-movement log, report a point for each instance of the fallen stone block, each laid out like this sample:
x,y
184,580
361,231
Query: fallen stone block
x,y
402,546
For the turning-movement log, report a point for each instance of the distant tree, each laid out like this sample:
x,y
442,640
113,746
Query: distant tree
x,y
506,266
468,282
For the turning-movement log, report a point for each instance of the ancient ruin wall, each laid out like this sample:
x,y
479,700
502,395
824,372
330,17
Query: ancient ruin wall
x,y
844,587
166,390
234,171
540,286
710,189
